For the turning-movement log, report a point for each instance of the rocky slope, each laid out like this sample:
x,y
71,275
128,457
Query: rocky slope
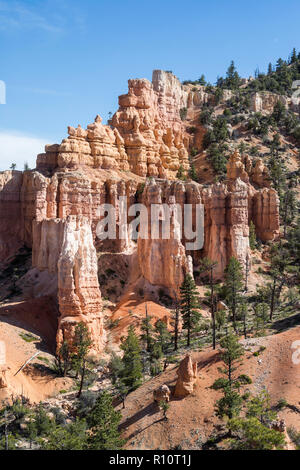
x,y
191,418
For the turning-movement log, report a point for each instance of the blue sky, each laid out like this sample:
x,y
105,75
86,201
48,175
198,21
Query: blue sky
x,y
64,61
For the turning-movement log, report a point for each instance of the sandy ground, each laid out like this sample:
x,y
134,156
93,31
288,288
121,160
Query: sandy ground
x,y
191,420
131,311
36,384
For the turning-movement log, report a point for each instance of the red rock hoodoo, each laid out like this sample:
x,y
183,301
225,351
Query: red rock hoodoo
x,y
54,209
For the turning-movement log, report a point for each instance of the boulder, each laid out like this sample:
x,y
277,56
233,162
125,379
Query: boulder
x,y
162,393
187,377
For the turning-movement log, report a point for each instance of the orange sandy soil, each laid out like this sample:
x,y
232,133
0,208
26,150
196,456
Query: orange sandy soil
x,y
131,311
192,418
14,320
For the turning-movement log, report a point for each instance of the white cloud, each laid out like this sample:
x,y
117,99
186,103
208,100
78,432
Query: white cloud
x,y
19,148
17,15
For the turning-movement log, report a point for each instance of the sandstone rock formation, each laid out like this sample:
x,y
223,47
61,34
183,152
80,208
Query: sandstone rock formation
x,y
243,168
162,257
236,168
54,209
260,175
229,208
147,135
264,212
149,122
11,229
264,101
78,289
187,376
64,250
162,394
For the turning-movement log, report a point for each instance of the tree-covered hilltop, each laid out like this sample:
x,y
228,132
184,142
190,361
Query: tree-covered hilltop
x,y
278,78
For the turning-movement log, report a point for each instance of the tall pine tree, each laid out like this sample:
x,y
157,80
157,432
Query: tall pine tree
x,y
147,330
82,344
189,305
132,372
207,265
234,286
230,404
103,422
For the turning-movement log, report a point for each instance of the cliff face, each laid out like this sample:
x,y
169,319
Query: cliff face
x,y
55,209
11,227
163,261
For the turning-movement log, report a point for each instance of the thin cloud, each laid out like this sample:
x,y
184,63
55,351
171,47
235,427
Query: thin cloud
x,y
19,148
46,91
14,15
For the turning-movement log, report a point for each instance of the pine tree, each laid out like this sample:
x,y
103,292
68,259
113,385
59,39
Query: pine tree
x,y
288,209
180,173
189,305
193,173
202,80
122,390
147,330
209,265
270,69
293,244
132,372
231,355
278,111
230,404
279,263
254,436
116,367
164,405
253,431
233,286
176,323
261,316
156,355
232,80
82,344
70,437
43,424
294,56
277,172
64,359
103,422
247,269
252,236
218,95
162,335
243,314
280,63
